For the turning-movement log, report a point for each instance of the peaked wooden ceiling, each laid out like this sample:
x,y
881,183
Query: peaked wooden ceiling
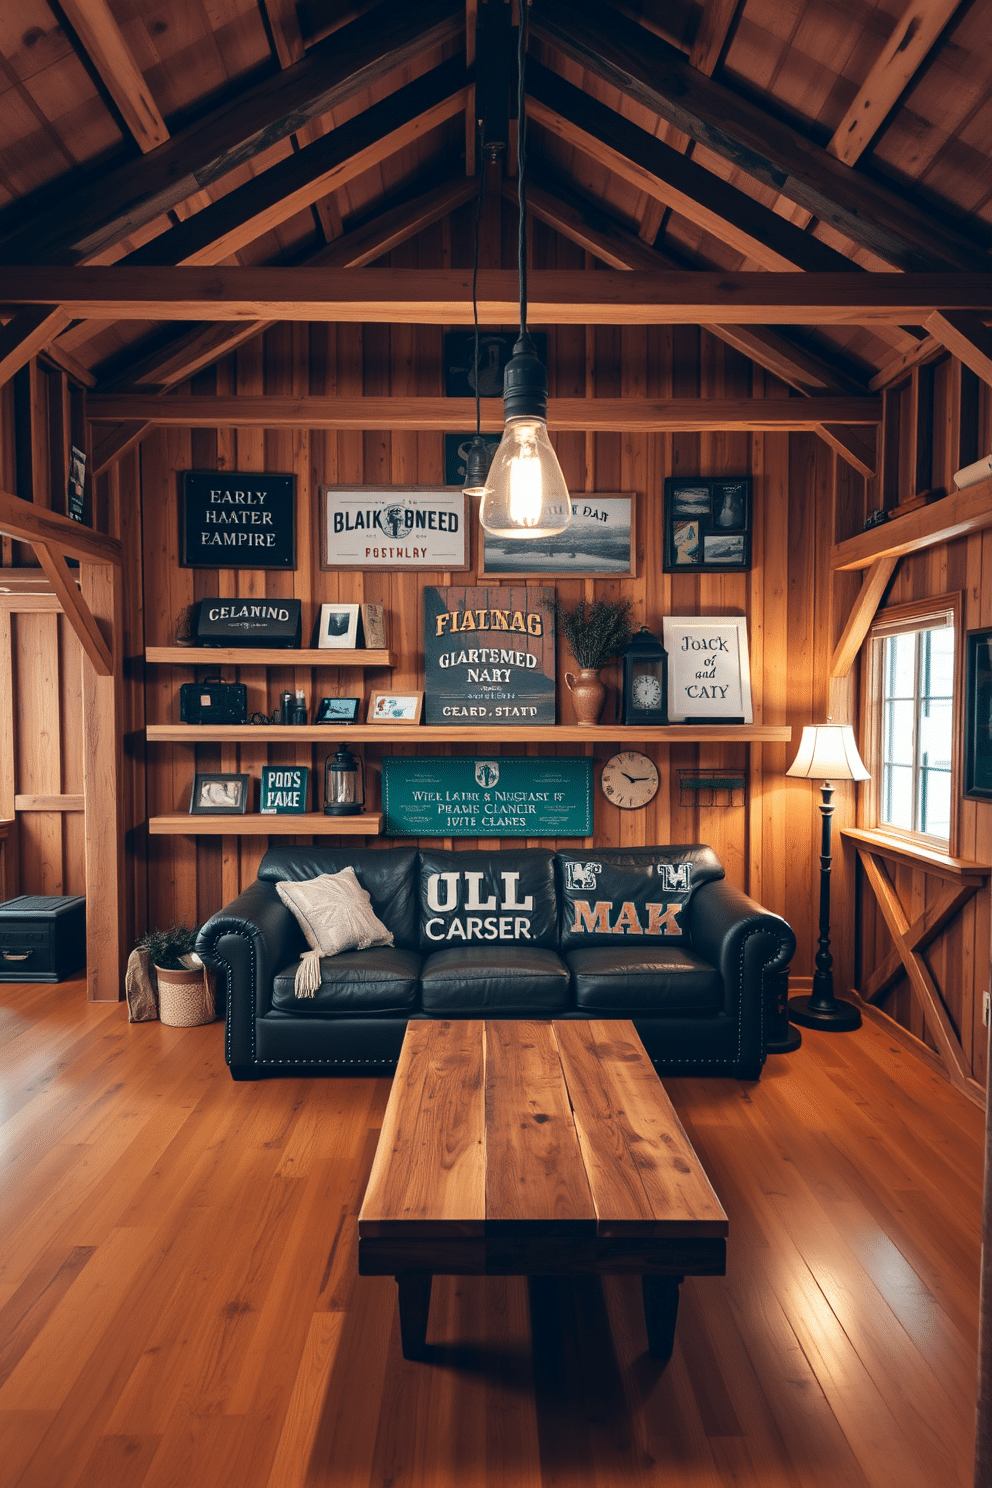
x,y
818,135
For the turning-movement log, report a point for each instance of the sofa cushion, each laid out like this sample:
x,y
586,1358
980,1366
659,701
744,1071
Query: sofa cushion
x,y
643,979
509,981
381,980
388,874
619,896
491,899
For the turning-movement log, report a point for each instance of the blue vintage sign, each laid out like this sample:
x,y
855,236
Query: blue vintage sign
x,y
493,797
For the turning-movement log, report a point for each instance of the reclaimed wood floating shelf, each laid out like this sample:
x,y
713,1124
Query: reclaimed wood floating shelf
x,y
953,516
386,733
195,656
306,824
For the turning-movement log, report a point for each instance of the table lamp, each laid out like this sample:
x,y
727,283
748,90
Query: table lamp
x,y
827,751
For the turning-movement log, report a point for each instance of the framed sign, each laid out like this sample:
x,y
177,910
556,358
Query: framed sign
x,y
284,789
238,519
385,527
598,543
709,672
495,350
494,797
489,655
978,724
708,524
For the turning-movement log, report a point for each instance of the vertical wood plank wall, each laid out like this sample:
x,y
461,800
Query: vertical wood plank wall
x,y
768,839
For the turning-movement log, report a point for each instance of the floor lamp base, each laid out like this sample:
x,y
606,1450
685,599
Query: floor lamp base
x,y
787,1044
840,1018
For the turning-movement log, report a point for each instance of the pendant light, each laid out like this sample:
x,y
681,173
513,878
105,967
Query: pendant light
x,y
525,495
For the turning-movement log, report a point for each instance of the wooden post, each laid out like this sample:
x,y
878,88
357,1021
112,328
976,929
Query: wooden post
x,y
983,1426
103,784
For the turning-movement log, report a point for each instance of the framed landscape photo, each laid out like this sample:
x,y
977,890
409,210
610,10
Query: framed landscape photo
x,y
598,543
707,524
395,707
978,717
337,710
337,629
219,795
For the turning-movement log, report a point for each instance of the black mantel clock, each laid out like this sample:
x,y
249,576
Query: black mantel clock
x,y
645,680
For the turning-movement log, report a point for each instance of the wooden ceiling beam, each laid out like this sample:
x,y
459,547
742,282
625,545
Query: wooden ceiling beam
x,y
589,226
75,608
903,54
966,337
658,76
37,524
715,21
295,183
564,414
856,446
654,167
103,208
26,334
444,296
101,38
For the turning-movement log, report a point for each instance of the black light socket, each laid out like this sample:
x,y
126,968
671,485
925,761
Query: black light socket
x,y
525,383
477,463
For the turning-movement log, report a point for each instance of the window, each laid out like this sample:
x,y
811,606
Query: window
x,y
911,748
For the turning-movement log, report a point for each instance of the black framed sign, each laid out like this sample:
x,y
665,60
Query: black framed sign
x,y
237,519
708,524
489,655
978,717
495,350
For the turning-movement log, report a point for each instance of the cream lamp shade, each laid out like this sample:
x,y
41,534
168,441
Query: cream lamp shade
x,y
827,751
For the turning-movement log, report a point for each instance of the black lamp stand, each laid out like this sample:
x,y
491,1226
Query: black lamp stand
x,y
822,1009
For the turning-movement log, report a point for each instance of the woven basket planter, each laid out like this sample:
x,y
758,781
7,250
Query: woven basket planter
x,y
185,998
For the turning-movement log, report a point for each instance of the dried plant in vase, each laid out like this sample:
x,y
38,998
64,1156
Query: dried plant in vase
x,y
596,633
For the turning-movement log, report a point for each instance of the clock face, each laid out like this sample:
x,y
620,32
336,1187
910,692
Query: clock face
x,y
629,780
646,691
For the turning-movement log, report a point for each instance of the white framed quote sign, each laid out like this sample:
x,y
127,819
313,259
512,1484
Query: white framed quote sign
x,y
386,527
709,671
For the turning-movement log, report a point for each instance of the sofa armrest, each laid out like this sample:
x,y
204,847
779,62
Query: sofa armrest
x,y
245,944
751,948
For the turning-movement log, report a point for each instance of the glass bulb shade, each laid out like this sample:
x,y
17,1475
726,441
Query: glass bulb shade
x,y
526,495
827,751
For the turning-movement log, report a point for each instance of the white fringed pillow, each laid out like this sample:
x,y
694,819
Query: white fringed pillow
x,y
335,914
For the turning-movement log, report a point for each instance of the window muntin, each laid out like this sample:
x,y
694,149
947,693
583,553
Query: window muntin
x,y
915,668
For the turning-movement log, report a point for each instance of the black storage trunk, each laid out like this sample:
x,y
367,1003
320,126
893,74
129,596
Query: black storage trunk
x,y
42,937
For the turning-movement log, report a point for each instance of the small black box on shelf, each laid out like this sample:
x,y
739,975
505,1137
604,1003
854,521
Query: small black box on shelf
x,y
213,701
42,937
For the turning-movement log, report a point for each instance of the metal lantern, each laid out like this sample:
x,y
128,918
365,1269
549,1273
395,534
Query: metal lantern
x,y
645,680
344,784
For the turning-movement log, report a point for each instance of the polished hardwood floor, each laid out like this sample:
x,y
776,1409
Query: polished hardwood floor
x,y
180,1305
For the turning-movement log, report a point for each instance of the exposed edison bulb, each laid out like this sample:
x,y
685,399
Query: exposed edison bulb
x,y
526,495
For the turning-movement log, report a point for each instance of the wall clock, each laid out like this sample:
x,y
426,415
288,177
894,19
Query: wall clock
x,y
630,780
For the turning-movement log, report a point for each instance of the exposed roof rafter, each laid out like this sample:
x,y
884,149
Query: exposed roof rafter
x,y
101,37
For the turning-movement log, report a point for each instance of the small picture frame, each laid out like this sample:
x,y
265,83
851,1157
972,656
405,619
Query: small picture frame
x,y
219,795
374,627
337,628
978,717
395,707
337,710
707,524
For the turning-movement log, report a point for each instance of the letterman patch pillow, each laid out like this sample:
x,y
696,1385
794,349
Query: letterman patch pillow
x,y
632,897
487,898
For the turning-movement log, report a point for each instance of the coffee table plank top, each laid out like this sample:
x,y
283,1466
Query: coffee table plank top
x,y
428,1177
535,1176
645,1178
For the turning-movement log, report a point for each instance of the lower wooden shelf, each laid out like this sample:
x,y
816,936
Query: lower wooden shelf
x,y
306,824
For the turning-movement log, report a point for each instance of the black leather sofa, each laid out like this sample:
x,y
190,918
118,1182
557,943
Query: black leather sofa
x,y
655,934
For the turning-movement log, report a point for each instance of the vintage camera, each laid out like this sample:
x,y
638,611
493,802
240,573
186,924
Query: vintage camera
x,y
213,701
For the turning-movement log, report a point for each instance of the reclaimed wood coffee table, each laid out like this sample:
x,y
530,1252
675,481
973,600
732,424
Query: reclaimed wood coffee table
x,y
526,1149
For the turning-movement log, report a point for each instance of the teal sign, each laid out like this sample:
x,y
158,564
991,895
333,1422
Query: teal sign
x,y
494,797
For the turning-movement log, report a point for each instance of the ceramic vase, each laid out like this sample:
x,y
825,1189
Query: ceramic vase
x,y
588,695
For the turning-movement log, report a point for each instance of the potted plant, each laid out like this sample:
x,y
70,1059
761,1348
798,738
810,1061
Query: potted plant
x,y
595,633
185,991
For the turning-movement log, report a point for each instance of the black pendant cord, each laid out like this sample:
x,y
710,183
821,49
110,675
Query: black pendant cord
x,y
521,162
475,294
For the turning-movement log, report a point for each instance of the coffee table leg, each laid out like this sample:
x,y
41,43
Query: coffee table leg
x,y
661,1309
415,1304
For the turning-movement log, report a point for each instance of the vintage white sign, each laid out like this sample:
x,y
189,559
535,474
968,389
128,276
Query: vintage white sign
x,y
709,673
380,527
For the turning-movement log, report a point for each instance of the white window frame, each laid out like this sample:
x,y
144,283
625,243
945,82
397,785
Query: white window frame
x,y
924,614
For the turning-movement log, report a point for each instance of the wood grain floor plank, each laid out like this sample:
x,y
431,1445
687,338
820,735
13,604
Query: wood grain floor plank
x,y
234,1342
